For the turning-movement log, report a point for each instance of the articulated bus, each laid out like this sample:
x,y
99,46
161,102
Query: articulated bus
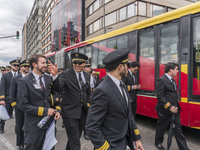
x,y
170,37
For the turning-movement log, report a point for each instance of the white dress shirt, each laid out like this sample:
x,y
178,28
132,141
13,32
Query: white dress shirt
x,y
117,82
82,76
38,79
23,75
14,73
92,82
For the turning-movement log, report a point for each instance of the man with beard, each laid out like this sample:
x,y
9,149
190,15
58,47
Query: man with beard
x,y
110,123
75,85
132,85
33,93
19,115
5,89
8,68
3,69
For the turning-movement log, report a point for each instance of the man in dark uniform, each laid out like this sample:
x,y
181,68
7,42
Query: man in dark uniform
x,y
75,85
8,68
19,115
3,69
5,89
132,85
33,93
167,105
110,123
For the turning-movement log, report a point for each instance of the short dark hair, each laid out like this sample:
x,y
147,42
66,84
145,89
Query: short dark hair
x,y
92,70
134,64
34,59
109,69
170,65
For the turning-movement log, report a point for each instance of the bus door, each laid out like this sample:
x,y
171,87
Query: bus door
x,y
194,99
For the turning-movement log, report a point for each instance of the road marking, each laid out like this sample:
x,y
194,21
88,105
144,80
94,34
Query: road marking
x,y
6,142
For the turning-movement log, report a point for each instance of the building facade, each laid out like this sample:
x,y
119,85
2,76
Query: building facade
x,y
67,23
47,7
34,29
121,13
24,42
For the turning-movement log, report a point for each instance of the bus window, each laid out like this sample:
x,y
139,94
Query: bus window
x,y
169,49
82,50
122,42
196,61
94,59
147,61
103,51
88,51
68,64
112,44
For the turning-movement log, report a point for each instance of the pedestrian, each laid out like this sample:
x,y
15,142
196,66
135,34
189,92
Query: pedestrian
x,y
131,82
93,80
5,89
19,115
75,85
33,93
8,68
110,123
167,105
3,69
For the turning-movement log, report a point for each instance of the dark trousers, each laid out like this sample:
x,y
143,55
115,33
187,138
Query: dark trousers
x,y
163,122
134,108
34,139
74,128
19,118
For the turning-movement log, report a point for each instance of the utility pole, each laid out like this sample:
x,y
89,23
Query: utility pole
x,y
104,24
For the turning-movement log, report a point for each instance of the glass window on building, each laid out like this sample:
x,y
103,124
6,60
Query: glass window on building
x,y
106,1
122,13
132,9
96,4
142,8
157,10
89,29
169,9
96,25
110,18
90,10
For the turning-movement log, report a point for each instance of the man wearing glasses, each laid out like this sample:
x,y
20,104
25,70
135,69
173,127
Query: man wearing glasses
x,y
5,89
75,85
24,65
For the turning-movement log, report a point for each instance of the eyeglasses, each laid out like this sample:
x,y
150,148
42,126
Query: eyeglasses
x,y
26,66
16,65
80,63
93,74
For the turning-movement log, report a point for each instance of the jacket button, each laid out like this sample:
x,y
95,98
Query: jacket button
x,y
45,101
81,92
81,100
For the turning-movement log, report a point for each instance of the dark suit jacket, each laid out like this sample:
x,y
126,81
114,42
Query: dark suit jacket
x,y
5,87
166,94
72,95
129,82
13,90
34,101
110,119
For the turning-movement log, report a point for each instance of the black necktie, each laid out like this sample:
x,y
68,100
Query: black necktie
x,y
41,83
14,74
133,78
81,81
174,83
122,88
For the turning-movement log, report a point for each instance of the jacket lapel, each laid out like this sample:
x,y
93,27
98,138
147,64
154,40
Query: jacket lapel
x,y
118,93
35,82
168,80
46,86
87,80
75,80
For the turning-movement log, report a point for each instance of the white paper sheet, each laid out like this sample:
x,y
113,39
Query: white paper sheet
x,y
50,139
3,113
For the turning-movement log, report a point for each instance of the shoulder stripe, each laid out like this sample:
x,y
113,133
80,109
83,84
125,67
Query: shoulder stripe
x,y
105,146
3,96
40,111
167,105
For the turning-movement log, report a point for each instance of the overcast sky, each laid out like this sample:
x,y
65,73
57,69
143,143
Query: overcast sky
x,y
13,14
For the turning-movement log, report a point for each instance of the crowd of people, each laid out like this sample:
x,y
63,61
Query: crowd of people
x,y
105,110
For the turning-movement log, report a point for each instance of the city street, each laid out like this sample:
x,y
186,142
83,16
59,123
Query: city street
x,y
145,125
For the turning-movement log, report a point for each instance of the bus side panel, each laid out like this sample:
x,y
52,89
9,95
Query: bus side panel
x,y
146,106
184,115
194,110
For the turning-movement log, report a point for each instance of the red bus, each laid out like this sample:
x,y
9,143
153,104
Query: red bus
x,y
170,37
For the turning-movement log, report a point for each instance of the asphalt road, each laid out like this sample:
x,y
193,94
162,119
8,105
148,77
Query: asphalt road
x,y
146,127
